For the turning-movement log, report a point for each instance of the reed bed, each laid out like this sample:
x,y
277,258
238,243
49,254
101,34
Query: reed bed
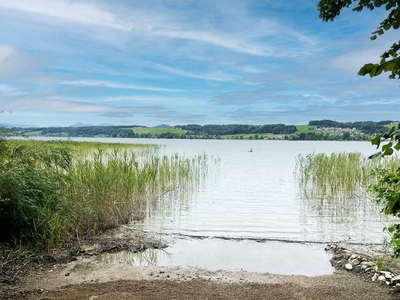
x,y
58,192
339,182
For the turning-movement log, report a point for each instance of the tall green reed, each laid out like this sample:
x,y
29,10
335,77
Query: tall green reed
x,y
62,191
339,181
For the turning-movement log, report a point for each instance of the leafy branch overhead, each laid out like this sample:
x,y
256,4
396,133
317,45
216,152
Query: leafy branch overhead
x,y
387,187
390,59
392,137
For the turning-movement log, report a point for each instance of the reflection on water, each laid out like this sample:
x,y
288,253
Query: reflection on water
x,y
219,254
256,194
149,257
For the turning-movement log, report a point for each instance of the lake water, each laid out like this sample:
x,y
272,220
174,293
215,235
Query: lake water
x,y
255,195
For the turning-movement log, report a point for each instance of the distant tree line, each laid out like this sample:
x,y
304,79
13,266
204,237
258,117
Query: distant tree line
x,y
367,127
218,130
235,131
86,131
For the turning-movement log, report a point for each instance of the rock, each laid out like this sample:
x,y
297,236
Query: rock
x,y
353,256
348,266
367,264
375,277
381,278
395,280
371,269
355,262
388,275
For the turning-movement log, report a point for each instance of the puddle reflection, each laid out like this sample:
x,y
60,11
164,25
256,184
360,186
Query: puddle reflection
x,y
220,254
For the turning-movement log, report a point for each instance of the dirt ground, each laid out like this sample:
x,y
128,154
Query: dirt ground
x,y
87,276
337,286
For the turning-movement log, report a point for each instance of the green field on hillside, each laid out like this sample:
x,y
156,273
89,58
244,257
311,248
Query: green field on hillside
x,y
304,128
32,133
158,130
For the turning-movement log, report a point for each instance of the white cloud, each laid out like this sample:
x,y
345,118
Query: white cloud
x,y
245,37
7,90
5,52
13,62
113,85
66,10
157,99
214,76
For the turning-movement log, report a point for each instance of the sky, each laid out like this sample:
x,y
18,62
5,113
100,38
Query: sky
x,y
176,62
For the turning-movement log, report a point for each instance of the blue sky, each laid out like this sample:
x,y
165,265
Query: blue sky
x,y
149,62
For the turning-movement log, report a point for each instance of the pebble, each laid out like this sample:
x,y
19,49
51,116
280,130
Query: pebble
x,y
381,278
350,260
395,280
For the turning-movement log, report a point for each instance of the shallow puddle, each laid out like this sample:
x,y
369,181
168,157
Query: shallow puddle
x,y
219,254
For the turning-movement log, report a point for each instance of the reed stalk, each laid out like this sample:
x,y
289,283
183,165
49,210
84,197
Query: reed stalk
x,y
56,192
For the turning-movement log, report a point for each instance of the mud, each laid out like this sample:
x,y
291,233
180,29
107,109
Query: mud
x,y
84,276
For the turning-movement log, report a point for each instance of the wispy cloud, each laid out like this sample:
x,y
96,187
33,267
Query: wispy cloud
x,y
215,76
7,90
67,10
14,63
180,61
114,85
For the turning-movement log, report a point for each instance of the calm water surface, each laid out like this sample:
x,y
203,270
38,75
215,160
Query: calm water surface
x,y
256,194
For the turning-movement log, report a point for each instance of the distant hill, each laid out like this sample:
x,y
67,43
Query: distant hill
x,y
80,124
163,126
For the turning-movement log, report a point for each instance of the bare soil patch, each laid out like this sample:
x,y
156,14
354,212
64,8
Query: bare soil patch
x,y
78,273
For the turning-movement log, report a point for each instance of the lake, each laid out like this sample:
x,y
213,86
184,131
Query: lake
x,y
255,197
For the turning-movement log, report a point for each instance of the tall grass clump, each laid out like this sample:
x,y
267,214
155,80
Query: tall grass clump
x,y
339,180
322,175
58,192
32,179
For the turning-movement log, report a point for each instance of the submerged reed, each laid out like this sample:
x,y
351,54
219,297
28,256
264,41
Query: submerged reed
x,y
339,181
339,173
54,192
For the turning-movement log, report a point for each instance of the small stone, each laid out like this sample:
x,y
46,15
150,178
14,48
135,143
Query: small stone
x,y
67,274
354,256
395,280
349,266
388,275
367,264
375,277
381,278
355,262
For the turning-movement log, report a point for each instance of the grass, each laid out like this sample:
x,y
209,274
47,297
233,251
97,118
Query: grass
x,y
304,128
33,133
338,173
54,193
158,130
339,180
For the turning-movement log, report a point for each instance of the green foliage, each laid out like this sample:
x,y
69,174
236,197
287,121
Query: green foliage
x,y
31,181
387,187
56,192
390,59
